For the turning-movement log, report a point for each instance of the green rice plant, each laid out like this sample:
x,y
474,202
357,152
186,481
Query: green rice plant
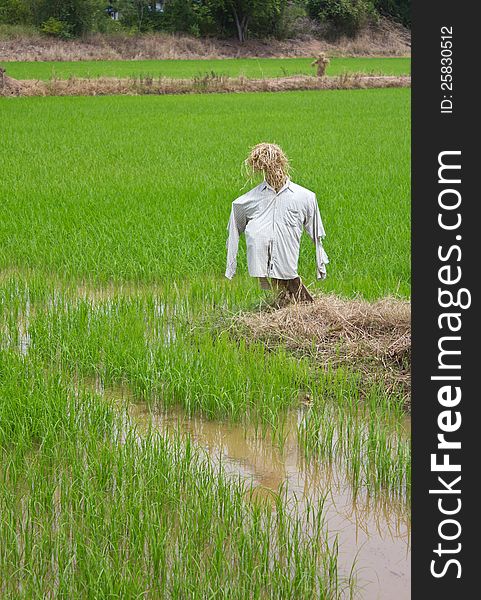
x,y
252,68
151,206
373,444
154,347
90,509
111,269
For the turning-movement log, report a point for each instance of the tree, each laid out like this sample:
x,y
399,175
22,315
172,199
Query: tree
x,y
79,16
242,11
397,9
246,13
15,12
241,18
271,20
134,12
179,15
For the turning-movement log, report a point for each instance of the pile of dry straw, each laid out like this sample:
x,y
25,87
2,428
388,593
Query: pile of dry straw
x,y
372,337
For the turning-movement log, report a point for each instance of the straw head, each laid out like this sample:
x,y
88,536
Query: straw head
x,y
270,160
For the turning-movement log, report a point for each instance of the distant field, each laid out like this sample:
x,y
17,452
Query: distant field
x,y
248,67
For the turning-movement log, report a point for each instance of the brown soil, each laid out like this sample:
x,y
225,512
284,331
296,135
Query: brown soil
x,y
108,86
372,337
385,39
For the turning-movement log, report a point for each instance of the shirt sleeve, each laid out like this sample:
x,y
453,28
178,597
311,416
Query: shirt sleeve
x,y
235,227
315,229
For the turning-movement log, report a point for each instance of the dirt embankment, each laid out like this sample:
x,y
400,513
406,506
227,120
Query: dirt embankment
x,y
110,86
384,39
374,338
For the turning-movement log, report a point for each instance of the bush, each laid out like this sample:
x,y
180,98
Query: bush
x,y
108,26
292,21
14,12
179,16
77,16
400,10
55,28
279,19
347,16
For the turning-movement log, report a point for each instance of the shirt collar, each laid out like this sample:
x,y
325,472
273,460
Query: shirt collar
x,y
287,185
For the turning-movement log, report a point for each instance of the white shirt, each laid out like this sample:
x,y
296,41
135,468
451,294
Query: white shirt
x,y
273,223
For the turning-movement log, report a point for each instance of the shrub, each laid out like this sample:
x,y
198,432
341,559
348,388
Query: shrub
x,y
292,22
108,26
400,10
55,28
14,12
347,16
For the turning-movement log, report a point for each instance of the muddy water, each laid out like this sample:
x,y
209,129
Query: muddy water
x,y
373,533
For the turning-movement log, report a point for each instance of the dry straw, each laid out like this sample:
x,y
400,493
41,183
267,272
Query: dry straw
x,y
270,160
137,86
372,337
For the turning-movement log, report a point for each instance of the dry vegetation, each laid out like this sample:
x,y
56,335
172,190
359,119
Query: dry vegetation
x,y
107,86
385,39
373,337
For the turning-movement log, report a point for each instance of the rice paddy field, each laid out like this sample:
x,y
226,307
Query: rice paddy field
x,y
247,67
148,448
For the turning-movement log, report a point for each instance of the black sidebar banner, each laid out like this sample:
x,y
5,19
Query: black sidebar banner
x,y
446,242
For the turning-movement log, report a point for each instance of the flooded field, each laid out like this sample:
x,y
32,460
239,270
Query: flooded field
x,y
373,533
313,450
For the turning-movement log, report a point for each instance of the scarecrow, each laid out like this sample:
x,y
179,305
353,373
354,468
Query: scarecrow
x,y
8,85
272,216
321,62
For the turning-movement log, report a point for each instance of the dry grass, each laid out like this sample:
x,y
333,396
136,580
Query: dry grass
x,y
372,337
110,86
385,39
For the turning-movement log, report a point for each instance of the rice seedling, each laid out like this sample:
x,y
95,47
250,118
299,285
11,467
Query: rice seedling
x,y
90,510
150,342
111,268
148,207
253,68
